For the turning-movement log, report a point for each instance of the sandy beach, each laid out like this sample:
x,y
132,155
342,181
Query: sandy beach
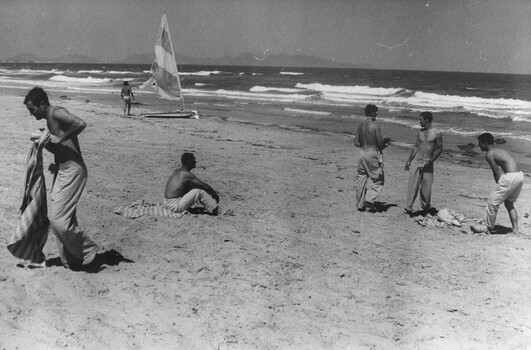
x,y
294,266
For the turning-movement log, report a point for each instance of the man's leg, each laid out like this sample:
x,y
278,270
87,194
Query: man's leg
x,y
512,215
496,198
361,190
76,248
195,197
412,187
374,188
361,182
370,180
425,190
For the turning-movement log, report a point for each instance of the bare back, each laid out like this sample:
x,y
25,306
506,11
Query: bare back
x,y
368,136
126,91
179,183
503,159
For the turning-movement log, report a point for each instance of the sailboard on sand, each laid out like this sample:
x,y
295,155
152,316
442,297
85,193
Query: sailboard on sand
x,y
165,76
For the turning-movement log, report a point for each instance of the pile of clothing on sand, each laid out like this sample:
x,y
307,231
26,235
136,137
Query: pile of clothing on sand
x,y
444,218
449,218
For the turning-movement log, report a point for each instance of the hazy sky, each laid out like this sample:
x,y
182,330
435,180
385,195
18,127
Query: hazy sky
x,y
457,35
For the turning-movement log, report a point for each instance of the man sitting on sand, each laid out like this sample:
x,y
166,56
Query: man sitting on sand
x,y
509,185
184,189
370,179
429,147
127,97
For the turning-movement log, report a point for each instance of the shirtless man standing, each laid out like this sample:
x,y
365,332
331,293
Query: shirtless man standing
x,y
509,185
370,178
127,97
76,248
184,189
429,147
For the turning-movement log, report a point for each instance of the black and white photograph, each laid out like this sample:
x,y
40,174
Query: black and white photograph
x,y
265,174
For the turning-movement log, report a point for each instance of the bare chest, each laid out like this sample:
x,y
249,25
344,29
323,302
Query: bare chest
x,y
427,136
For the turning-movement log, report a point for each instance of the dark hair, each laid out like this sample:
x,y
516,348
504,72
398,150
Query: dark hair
x,y
187,157
427,116
486,138
37,96
126,83
370,109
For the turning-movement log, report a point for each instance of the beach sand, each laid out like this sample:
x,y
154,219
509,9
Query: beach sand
x,y
294,267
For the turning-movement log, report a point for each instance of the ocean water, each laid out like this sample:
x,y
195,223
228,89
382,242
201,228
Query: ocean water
x,y
463,104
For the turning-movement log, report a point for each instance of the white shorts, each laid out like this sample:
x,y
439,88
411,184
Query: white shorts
x,y
508,188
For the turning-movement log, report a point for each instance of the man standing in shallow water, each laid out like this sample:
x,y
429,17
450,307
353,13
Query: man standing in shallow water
x,y
127,97
76,248
370,178
508,185
429,147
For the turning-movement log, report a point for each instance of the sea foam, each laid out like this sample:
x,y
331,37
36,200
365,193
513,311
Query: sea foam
x,y
264,89
88,80
306,111
290,73
201,73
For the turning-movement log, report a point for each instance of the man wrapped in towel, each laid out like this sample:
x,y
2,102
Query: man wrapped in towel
x,y
420,182
428,146
508,184
76,248
370,178
184,190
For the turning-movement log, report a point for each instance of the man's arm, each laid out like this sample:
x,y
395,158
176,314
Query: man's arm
x,y
68,123
495,170
380,143
438,147
357,142
196,183
413,153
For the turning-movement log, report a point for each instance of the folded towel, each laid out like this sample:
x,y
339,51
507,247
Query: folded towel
x,y
31,233
479,228
140,208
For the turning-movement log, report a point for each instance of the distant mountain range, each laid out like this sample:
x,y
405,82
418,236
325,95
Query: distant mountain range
x,y
31,58
245,59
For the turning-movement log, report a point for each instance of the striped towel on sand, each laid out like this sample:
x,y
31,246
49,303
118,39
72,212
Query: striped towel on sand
x,y
32,230
140,208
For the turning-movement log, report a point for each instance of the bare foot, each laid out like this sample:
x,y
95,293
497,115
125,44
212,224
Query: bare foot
x,y
521,233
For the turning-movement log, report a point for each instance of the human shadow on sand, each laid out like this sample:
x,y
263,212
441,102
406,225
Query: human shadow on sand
x,y
202,211
501,230
110,258
379,207
414,214
199,211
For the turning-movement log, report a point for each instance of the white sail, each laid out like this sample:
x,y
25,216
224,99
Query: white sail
x,y
165,76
